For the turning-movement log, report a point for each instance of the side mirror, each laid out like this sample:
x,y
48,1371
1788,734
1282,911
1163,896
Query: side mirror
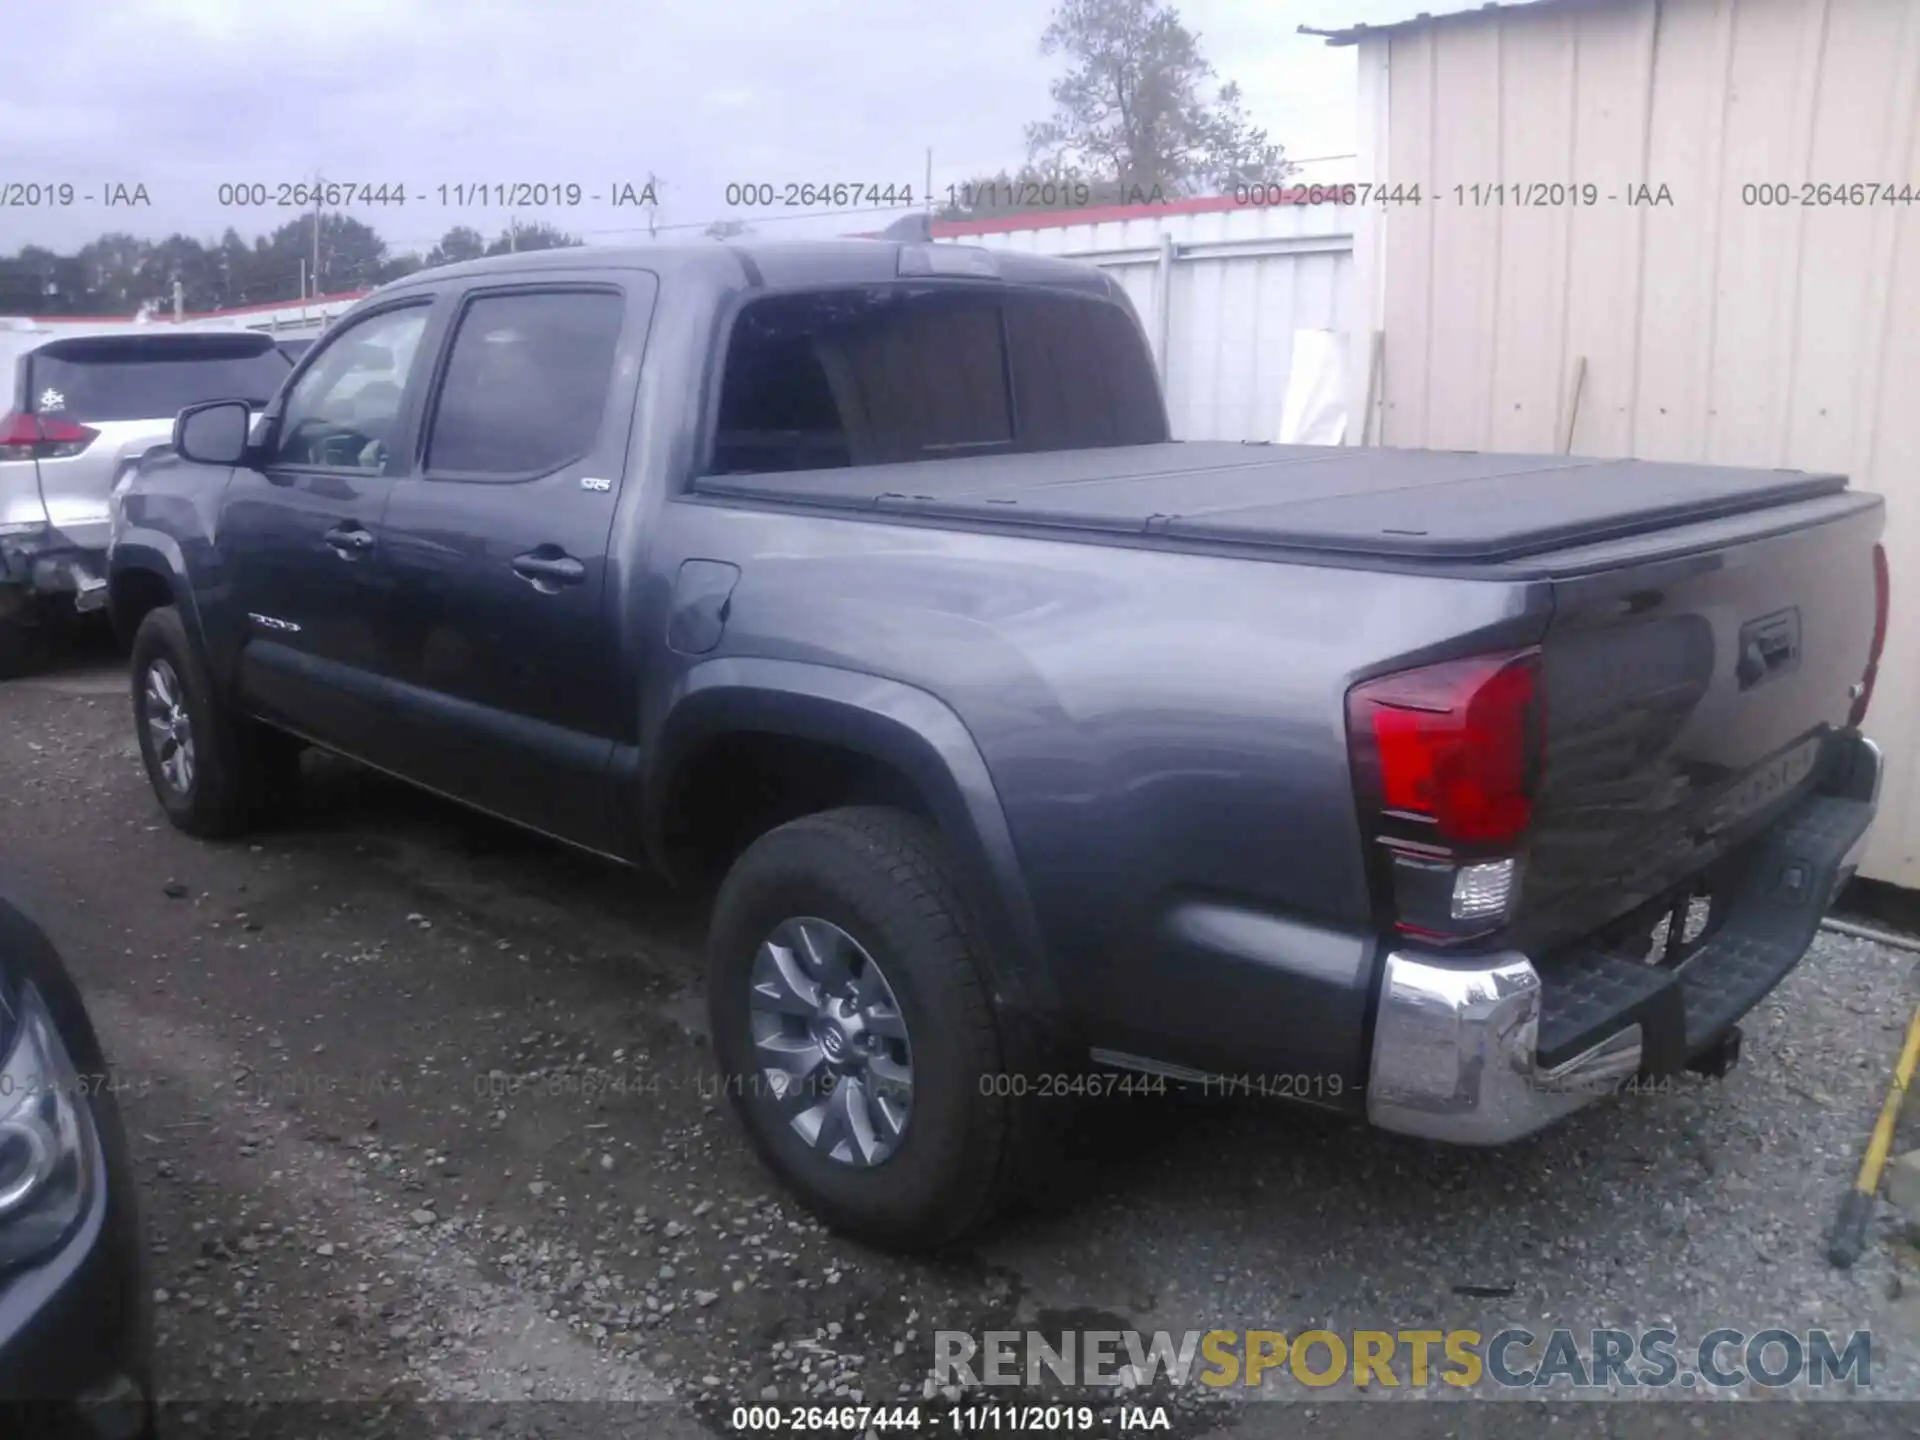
x,y
214,433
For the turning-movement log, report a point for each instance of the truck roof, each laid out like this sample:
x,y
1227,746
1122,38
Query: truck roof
x,y
773,263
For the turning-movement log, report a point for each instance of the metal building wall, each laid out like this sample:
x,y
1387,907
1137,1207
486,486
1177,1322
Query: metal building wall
x,y
1713,329
1236,284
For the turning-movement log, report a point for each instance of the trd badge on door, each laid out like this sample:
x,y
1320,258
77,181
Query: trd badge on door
x,y
594,482
272,622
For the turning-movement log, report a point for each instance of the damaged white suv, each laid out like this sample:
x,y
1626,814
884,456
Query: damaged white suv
x,y
80,403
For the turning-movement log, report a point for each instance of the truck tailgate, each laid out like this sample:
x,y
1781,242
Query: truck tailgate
x,y
1689,693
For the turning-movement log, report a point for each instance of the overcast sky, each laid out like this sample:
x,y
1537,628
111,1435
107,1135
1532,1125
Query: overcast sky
x,y
182,95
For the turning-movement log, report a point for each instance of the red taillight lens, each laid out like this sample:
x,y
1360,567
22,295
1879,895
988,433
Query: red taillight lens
x,y
40,437
18,436
1446,761
1882,600
1456,745
64,432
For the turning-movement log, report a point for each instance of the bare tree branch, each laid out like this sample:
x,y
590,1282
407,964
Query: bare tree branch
x,y
1140,104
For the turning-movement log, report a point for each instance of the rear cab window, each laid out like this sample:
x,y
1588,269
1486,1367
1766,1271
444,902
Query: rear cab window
x,y
101,379
880,374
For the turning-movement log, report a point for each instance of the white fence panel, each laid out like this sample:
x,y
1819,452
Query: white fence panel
x,y
298,321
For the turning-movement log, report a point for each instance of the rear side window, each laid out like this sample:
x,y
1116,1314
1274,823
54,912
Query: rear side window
x,y
150,378
526,383
1082,375
887,373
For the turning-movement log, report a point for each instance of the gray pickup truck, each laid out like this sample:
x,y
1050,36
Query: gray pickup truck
x,y
861,581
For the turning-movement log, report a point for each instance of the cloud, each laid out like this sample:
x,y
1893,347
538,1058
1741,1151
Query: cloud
x,y
188,95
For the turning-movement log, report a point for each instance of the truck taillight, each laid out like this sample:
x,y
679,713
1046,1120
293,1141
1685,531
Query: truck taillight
x,y
38,437
1446,763
1882,598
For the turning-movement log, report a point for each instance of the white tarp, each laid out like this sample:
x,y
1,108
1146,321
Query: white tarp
x,y
1315,412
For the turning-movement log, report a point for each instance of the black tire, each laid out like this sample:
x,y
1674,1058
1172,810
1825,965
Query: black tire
x,y
239,770
884,878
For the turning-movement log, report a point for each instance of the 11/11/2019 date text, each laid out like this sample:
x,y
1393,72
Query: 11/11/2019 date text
x,y
459,195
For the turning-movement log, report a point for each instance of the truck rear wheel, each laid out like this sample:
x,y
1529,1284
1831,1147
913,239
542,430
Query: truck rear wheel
x,y
855,1030
213,773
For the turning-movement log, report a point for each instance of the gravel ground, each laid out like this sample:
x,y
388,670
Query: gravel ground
x,y
423,1115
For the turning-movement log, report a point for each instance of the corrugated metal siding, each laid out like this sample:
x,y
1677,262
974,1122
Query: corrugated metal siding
x,y
1713,329
1240,283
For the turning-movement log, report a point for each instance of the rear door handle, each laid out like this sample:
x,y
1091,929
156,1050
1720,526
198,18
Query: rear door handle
x,y
349,540
547,572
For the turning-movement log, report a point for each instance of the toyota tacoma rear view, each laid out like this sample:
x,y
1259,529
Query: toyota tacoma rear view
x,y
861,582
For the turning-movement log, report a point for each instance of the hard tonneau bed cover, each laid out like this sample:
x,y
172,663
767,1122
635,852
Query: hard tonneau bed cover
x,y
1411,504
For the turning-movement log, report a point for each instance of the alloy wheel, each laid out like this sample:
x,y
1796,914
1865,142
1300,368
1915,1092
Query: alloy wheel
x,y
831,1042
168,725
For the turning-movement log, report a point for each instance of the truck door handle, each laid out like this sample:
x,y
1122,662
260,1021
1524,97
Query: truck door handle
x,y
349,540
547,570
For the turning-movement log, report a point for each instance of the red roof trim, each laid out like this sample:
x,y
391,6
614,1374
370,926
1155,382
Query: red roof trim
x,y
165,319
1094,215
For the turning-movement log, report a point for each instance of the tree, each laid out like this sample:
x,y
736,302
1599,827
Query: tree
x,y
183,260
39,282
119,274
1139,104
238,275
399,266
110,273
279,261
535,236
462,242
351,254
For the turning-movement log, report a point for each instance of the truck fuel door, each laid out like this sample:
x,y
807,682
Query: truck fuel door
x,y
702,601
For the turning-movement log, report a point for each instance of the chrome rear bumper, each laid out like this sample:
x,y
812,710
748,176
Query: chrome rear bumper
x,y
1454,1054
1456,1042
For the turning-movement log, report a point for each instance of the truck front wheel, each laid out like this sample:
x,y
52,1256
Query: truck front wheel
x,y
855,1028
213,772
